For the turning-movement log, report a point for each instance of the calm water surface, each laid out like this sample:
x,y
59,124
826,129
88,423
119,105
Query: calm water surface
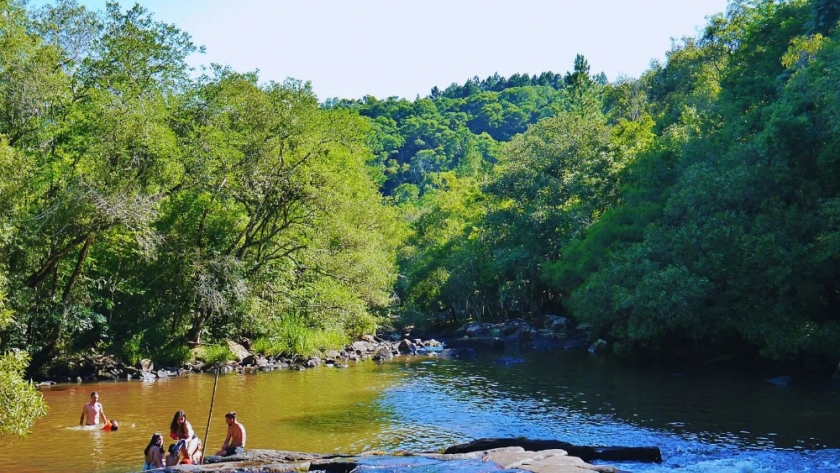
x,y
702,421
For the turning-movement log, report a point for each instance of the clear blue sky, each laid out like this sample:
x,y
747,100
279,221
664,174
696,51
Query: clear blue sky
x,y
352,48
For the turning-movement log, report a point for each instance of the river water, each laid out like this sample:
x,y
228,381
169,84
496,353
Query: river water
x,y
704,420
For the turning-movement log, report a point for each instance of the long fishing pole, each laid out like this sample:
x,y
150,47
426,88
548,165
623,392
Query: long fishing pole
x,y
210,415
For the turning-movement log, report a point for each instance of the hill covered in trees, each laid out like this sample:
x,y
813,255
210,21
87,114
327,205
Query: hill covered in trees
x,y
695,206
144,210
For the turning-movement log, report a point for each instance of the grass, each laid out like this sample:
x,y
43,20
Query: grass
x,y
293,338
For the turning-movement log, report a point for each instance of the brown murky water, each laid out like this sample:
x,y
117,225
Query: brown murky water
x,y
321,410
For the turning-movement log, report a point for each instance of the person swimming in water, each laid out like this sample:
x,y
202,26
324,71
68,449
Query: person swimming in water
x,y
92,411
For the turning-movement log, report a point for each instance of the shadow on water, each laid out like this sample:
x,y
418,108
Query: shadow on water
x,y
703,421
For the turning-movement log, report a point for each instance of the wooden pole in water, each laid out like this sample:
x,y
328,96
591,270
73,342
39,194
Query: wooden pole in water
x,y
210,415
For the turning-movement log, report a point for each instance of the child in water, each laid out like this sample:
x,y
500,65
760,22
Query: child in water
x,y
112,426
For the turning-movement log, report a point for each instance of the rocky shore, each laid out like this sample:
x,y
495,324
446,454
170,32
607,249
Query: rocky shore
x,y
483,455
463,343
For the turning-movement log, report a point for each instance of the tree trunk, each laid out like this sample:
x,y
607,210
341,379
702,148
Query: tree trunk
x,y
194,335
77,271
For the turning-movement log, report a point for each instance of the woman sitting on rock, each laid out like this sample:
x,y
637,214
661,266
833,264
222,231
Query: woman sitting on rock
x,y
188,441
153,454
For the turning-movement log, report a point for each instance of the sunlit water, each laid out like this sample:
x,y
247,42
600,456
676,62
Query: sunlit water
x,y
704,421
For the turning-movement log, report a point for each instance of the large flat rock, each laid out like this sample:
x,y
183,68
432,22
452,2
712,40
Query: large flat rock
x,y
510,459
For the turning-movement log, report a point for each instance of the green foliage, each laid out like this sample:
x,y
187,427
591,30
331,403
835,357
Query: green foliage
x,y
172,355
216,354
20,403
292,337
695,206
142,208
132,349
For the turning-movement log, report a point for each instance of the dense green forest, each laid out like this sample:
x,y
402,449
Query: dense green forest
x,y
694,207
145,209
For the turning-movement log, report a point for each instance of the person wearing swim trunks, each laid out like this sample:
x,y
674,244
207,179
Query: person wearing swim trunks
x,y
235,439
92,411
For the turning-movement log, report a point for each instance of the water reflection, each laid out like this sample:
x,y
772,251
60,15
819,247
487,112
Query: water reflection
x,y
702,421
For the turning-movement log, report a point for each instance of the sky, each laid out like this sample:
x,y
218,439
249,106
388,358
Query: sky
x,y
384,48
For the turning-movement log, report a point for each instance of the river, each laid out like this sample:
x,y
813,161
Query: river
x,y
704,420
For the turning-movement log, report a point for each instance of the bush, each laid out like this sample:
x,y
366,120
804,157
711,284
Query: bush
x,y
173,355
131,351
292,337
217,354
20,403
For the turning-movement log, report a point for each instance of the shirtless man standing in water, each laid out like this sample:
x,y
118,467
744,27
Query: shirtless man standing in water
x,y
92,410
235,439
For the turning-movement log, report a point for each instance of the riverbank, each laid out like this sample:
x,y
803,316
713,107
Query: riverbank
x,y
470,339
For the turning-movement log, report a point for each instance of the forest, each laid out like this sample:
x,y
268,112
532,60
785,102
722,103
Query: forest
x,y
146,209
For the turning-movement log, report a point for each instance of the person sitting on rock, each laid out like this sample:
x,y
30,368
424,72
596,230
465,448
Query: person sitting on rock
x,y
235,439
172,458
153,454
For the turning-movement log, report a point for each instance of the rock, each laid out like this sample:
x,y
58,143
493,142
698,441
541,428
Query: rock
x,y
597,345
238,350
245,342
585,453
477,343
513,339
544,461
462,353
477,330
383,354
147,376
251,359
406,347
147,365
509,360
779,380
489,460
556,323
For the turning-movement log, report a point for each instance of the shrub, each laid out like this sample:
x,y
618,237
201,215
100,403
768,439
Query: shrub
x,y
20,403
217,354
173,355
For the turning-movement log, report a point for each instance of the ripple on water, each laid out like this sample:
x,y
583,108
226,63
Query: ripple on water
x,y
462,408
